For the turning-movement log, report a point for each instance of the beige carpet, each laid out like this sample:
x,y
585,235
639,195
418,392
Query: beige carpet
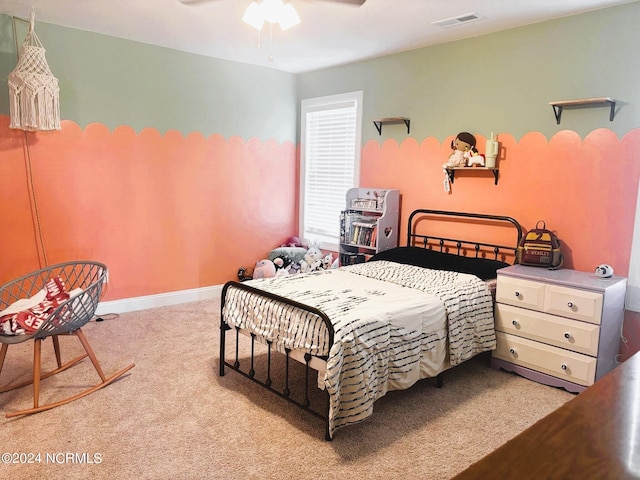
x,y
173,417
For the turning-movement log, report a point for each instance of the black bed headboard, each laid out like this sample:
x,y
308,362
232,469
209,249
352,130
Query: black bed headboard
x,y
461,246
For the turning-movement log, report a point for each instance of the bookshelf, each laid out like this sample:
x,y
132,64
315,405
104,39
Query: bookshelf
x,y
369,224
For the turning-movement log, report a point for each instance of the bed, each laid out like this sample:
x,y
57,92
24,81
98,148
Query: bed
x,y
359,331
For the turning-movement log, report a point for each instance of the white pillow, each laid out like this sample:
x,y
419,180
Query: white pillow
x,y
24,303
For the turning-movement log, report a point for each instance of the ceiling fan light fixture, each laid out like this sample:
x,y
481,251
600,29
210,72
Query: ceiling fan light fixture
x,y
288,17
272,11
253,16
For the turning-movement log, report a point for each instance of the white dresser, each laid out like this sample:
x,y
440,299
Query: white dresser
x,y
558,327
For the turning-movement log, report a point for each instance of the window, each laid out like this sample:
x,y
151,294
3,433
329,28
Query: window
x,y
633,281
330,163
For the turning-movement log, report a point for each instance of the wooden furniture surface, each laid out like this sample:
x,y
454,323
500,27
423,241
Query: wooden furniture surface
x,y
451,171
595,435
558,327
584,102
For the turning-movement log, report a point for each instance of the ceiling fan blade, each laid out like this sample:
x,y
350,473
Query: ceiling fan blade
x,y
350,2
195,2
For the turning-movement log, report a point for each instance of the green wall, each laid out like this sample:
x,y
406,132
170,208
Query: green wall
x,y
119,82
501,82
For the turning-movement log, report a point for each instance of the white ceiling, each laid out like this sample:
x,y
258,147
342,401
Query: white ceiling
x,y
330,33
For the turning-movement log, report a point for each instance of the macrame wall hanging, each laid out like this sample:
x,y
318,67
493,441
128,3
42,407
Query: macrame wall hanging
x,y
34,94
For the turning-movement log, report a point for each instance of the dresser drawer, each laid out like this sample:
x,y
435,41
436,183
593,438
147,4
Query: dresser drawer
x,y
570,302
575,303
562,332
521,293
554,361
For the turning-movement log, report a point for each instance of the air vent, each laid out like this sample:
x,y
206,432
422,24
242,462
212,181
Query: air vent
x,y
453,21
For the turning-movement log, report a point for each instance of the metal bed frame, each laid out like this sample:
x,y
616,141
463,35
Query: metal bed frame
x,y
443,242
413,239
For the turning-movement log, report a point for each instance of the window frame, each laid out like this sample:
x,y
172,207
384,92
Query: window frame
x,y
633,278
323,103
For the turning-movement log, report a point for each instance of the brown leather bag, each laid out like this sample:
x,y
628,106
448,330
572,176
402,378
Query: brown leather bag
x,y
540,248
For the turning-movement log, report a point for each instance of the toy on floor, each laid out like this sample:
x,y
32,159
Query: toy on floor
x,y
282,264
264,269
327,260
245,274
312,260
289,260
292,242
294,268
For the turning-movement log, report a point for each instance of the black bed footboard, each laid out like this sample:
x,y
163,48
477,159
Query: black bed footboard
x,y
284,389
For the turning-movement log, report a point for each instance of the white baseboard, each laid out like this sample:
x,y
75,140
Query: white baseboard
x,y
159,300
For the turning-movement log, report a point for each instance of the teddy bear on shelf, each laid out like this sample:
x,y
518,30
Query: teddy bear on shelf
x,y
475,159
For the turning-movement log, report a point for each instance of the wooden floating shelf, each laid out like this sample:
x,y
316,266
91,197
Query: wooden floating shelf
x,y
452,171
584,102
378,122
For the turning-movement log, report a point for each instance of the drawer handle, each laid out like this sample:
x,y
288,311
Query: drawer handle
x,y
512,351
564,366
514,323
517,294
567,335
570,304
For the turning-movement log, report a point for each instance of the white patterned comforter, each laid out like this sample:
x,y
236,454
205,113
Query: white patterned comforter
x,y
386,317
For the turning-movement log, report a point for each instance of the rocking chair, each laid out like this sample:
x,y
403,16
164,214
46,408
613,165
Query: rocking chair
x,y
73,307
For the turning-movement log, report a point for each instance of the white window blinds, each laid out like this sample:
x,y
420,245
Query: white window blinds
x,y
330,154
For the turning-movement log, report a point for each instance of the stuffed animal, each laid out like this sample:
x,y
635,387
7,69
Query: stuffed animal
x,y
292,242
282,272
312,260
283,265
264,269
327,261
476,158
462,146
294,268
457,159
281,262
245,274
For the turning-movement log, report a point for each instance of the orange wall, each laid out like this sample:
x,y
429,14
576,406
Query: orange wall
x,y
585,190
164,212
191,209
169,213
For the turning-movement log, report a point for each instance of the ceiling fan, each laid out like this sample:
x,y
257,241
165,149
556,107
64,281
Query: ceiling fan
x,y
270,12
348,2
274,11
